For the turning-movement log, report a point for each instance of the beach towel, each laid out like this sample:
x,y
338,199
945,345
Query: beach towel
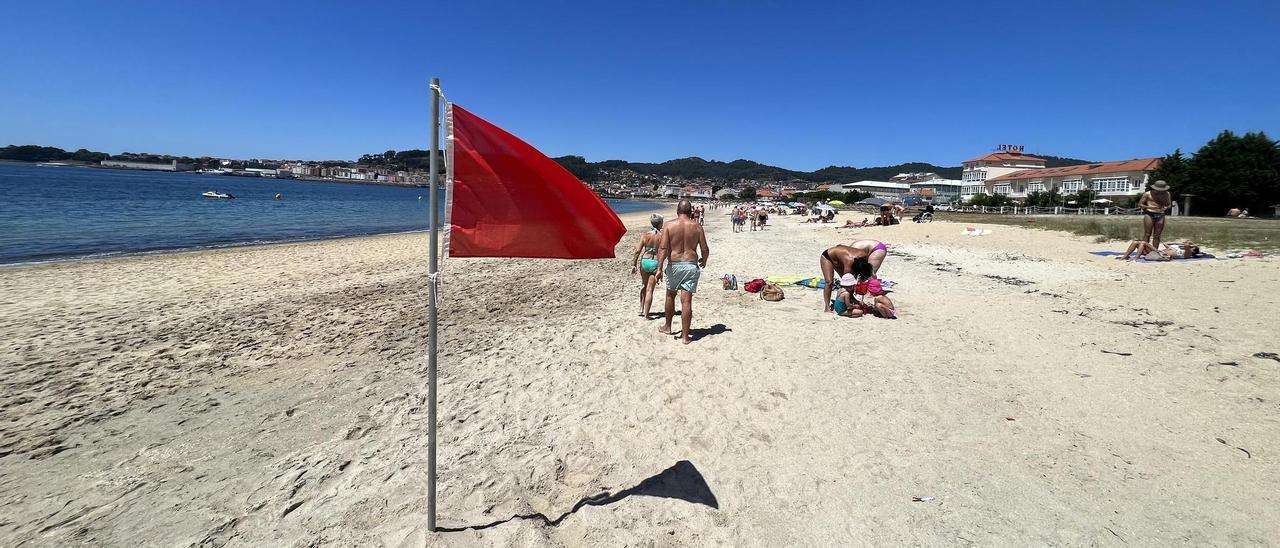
x,y
817,282
970,231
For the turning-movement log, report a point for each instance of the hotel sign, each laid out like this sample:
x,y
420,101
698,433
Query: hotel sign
x,y
1008,148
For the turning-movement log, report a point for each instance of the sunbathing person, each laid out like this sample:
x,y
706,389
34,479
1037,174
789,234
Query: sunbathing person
x,y
1180,250
860,224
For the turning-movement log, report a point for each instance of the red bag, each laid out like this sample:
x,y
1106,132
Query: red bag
x,y
754,286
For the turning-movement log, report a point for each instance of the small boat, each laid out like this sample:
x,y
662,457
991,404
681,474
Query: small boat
x,y
216,194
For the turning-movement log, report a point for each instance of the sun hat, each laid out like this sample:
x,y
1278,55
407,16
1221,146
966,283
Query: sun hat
x,y
874,287
848,280
1160,185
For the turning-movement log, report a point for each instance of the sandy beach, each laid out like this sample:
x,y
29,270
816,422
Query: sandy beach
x,y
1030,394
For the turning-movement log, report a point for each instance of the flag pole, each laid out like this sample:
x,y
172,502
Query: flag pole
x,y
433,271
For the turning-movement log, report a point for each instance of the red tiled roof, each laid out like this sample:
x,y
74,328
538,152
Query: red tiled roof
x,y
1142,164
1005,157
823,187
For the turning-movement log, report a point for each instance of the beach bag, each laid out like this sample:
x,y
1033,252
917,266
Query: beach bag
x,y
754,286
771,292
730,282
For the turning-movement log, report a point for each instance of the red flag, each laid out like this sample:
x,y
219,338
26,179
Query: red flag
x,y
506,199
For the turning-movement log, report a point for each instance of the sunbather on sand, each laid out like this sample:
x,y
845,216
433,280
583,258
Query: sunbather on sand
x,y
1178,250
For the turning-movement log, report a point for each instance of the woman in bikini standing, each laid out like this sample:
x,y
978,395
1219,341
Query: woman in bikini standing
x,y
1153,204
646,257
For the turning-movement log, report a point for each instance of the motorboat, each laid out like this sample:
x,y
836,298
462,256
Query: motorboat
x,y
219,195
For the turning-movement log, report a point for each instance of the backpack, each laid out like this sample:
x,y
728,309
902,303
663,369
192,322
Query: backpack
x,y
754,286
771,292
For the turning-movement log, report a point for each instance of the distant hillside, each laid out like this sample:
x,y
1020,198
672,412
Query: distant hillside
x,y
729,172
1058,161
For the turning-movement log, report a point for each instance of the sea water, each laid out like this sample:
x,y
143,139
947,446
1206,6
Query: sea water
x,y
49,213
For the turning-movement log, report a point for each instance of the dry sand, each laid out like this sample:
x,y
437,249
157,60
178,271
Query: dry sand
x,y
274,395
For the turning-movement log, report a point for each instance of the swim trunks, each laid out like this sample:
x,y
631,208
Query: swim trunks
x,y
682,275
1155,216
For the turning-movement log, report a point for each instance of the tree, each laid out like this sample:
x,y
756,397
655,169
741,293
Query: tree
x,y
1173,170
1086,196
747,193
389,155
1235,171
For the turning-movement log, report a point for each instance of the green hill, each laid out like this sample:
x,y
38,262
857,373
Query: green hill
x,y
729,172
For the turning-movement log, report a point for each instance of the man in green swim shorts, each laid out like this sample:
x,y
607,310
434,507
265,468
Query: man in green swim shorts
x,y
683,251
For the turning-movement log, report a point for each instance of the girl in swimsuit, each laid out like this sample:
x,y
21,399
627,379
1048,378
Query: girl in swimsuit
x,y
646,258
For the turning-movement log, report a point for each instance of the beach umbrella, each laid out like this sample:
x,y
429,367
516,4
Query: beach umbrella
x,y
873,201
796,204
1102,201
824,207
836,203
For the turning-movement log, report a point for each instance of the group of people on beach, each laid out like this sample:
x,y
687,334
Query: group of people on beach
x,y
676,251
855,269
742,215
1155,204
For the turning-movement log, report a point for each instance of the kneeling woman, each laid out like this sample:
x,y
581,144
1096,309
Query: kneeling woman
x,y
646,258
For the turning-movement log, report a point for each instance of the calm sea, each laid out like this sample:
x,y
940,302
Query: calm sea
x,y
51,213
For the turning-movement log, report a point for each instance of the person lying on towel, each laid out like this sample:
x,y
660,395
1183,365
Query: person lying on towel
x,y
1168,251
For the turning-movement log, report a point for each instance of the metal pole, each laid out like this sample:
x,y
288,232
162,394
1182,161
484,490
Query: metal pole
x,y
433,271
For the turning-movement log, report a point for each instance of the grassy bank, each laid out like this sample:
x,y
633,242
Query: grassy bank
x,y
1217,234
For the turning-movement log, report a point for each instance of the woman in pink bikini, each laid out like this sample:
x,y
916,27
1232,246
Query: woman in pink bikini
x,y
875,253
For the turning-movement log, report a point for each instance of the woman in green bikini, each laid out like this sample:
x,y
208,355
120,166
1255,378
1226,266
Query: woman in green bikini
x,y
646,258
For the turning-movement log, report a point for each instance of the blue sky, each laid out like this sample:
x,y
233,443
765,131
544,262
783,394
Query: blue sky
x,y
800,85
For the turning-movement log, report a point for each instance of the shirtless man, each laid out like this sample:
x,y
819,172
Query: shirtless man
x,y
682,251
1153,204
838,261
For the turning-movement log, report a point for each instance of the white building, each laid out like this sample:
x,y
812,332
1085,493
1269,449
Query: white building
x,y
1111,180
945,191
879,189
978,170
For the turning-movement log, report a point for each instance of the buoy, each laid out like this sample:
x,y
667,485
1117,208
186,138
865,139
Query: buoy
x,y
278,196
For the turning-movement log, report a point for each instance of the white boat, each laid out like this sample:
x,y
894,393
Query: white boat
x,y
216,194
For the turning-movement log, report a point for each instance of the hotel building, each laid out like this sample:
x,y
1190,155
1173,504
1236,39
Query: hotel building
x,y
1111,180
978,170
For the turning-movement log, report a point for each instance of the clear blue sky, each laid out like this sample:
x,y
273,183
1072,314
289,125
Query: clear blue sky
x,y
786,83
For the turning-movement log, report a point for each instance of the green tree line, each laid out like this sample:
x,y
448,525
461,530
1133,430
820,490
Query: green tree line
x,y
1230,171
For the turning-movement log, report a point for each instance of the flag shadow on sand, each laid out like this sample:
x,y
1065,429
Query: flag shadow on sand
x,y
682,481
